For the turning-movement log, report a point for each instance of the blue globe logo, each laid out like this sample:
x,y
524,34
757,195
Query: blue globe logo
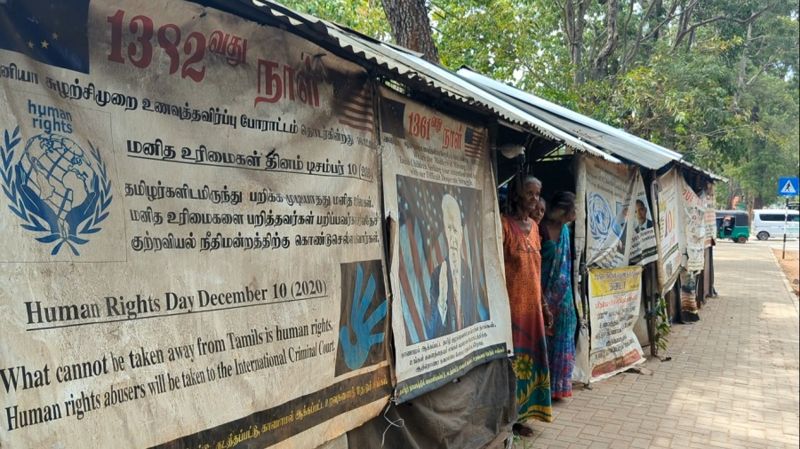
x,y
599,216
59,173
56,188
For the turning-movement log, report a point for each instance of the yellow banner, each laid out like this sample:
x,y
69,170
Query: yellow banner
x,y
615,280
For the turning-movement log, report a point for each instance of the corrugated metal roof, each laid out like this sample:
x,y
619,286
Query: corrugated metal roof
x,y
411,66
450,79
560,124
605,137
697,169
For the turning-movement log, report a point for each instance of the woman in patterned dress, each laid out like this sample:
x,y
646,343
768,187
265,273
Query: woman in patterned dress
x,y
557,292
521,254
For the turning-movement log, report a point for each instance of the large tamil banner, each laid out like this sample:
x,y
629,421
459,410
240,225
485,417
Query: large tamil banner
x,y
666,191
191,231
620,224
614,301
450,308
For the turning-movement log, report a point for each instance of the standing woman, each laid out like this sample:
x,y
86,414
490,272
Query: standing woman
x,y
557,292
522,259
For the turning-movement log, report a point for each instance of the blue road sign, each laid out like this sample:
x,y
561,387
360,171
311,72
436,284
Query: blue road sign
x,y
788,186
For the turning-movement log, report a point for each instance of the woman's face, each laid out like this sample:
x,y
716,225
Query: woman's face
x,y
538,212
530,196
562,216
570,215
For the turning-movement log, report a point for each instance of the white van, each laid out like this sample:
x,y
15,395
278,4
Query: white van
x,y
769,223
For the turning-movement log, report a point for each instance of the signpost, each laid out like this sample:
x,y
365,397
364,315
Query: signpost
x,y
788,186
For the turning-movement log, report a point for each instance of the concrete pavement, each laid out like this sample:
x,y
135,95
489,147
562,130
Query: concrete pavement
x,y
732,381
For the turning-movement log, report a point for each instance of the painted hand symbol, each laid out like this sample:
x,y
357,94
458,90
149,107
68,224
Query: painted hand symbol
x,y
356,353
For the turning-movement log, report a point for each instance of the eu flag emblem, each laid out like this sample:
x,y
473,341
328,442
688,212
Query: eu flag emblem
x,y
50,31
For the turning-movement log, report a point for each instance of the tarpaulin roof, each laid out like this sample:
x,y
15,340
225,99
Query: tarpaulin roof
x,y
601,135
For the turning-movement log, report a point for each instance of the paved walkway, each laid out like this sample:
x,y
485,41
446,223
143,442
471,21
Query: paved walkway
x,y
732,381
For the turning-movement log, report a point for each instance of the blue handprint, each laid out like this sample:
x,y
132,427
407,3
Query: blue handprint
x,y
356,353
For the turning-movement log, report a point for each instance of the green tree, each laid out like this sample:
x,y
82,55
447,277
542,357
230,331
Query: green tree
x,y
716,80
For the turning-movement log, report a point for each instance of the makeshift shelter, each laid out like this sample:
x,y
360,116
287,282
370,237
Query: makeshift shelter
x,y
238,198
649,160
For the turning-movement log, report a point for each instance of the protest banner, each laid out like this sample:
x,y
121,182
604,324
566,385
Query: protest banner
x,y
621,231
168,171
671,241
644,247
450,310
608,199
694,224
582,370
709,215
614,301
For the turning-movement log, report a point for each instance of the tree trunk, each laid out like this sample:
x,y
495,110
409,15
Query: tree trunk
x,y
574,24
411,27
600,63
741,79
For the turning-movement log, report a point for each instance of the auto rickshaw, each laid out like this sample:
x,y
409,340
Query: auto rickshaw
x,y
734,225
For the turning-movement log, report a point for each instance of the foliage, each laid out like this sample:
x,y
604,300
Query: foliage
x,y
663,327
365,16
716,81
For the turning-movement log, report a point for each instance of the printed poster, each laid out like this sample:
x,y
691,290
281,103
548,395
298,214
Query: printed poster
x,y
644,248
614,301
582,370
666,192
450,309
191,232
709,215
693,219
621,231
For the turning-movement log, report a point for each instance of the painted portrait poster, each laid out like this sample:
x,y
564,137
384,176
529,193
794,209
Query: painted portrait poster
x,y
442,282
445,257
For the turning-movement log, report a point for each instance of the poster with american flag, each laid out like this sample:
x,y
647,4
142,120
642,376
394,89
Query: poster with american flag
x,y
474,142
450,310
353,106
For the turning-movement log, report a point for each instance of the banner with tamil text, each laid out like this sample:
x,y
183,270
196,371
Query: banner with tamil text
x,y
450,309
191,231
614,300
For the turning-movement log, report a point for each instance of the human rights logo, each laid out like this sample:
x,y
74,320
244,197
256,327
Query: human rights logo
x,y
58,190
599,216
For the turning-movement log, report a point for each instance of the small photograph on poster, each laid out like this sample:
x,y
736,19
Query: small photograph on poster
x,y
362,327
443,286
643,218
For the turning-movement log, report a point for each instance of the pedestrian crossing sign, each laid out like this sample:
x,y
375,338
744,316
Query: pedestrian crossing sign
x,y
788,186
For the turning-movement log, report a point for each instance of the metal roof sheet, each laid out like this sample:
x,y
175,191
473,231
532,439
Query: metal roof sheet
x,y
603,136
709,174
411,66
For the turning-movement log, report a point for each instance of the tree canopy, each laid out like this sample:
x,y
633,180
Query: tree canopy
x,y
715,80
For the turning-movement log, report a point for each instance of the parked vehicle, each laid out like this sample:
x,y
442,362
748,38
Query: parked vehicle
x,y
734,225
770,223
